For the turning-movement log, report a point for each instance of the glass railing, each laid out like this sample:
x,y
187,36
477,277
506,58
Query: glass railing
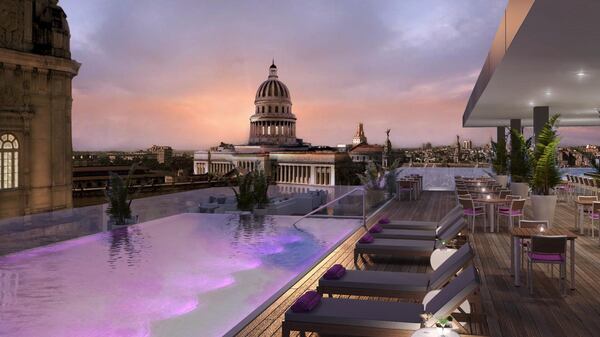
x,y
30,231
442,178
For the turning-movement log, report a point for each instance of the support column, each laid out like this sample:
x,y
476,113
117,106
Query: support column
x,y
541,115
500,133
516,124
287,173
332,176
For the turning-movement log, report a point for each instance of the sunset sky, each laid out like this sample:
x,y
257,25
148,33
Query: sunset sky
x,y
184,72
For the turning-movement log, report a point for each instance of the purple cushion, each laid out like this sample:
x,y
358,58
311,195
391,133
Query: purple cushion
x,y
307,302
335,272
470,211
384,221
367,238
595,216
376,229
546,257
504,209
511,213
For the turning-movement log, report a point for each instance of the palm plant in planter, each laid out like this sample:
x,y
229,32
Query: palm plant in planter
x,y
519,163
119,199
244,195
545,174
261,188
390,178
373,179
500,161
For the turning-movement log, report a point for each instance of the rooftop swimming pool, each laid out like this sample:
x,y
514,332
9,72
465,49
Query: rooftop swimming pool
x,y
184,275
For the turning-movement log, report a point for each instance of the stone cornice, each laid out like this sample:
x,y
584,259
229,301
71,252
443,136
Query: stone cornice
x,y
39,61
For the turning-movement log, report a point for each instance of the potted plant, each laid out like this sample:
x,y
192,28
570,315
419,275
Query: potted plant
x,y
519,163
373,179
500,161
244,195
119,199
390,179
545,174
443,324
260,188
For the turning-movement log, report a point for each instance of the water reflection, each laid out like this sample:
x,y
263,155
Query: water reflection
x,y
9,286
126,244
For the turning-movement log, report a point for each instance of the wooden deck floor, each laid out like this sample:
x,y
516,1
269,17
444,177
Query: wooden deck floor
x,y
509,310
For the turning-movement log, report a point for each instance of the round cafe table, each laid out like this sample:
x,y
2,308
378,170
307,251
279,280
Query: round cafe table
x,y
433,332
490,202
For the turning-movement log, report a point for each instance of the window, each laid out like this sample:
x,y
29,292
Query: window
x,y
9,161
276,109
269,108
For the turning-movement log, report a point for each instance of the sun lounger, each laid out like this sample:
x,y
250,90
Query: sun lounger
x,y
450,217
402,248
416,234
352,317
397,284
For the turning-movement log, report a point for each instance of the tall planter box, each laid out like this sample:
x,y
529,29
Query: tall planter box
x,y
502,180
544,207
521,189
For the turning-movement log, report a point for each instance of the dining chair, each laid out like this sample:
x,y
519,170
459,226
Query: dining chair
x,y
586,209
551,249
471,211
540,225
503,193
595,216
405,186
515,210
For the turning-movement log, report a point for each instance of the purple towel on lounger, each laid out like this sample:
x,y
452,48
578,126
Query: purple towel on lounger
x,y
335,272
384,221
367,238
307,302
376,229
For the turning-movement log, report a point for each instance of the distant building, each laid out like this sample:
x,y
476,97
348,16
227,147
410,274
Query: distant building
x,y
273,145
35,107
359,136
97,177
467,144
164,154
365,153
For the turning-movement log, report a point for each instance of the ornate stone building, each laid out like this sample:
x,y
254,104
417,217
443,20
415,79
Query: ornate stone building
x,y
273,122
273,146
359,136
36,71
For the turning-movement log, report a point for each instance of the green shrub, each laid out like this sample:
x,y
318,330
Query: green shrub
x,y
546,175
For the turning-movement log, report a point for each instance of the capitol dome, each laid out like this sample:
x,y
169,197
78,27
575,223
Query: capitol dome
x,y
273,122
272,88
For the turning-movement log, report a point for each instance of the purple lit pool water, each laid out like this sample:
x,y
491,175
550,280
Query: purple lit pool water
x,y
184,275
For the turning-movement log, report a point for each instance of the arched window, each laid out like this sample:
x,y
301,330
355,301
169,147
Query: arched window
x,y
263,109
9,161
269,108
276,109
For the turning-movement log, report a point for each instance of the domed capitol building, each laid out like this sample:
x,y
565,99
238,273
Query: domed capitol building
x,y
273,146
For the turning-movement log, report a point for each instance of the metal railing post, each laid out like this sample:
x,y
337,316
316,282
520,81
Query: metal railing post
x,y
364,208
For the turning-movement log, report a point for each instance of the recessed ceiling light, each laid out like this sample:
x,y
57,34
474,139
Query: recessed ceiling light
x,y
531,103
548,92
580,73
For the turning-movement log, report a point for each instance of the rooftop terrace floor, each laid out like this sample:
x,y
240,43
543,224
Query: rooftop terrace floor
x,y
509,311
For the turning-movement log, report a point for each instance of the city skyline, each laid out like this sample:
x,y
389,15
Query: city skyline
x,y
157,78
